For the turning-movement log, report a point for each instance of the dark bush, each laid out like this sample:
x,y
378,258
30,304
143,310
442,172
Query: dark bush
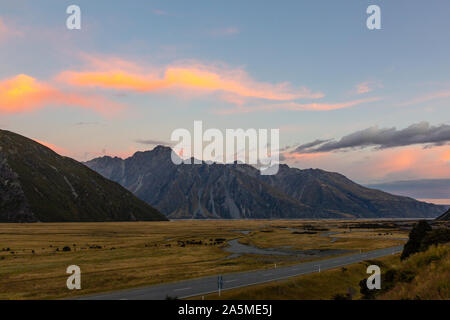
x,y
417,234
304,232
366,293
342,296
441,235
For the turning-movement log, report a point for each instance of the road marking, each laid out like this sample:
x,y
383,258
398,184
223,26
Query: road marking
x,y
230,280
182,289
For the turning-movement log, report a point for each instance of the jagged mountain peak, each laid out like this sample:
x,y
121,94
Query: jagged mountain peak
x,y
215,190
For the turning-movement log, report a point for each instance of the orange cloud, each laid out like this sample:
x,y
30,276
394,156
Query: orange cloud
x,y
24,93
445,156
123,76
302,156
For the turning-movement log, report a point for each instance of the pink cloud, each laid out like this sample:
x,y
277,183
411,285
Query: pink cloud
x,y
294,106
159,12
412,162
363,88
8,32
225,31
367,86
425,98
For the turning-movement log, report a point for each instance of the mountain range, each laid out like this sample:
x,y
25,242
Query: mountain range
x,y
37,184
238,191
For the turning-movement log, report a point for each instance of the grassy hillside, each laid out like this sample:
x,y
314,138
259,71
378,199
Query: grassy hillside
x,y
424,275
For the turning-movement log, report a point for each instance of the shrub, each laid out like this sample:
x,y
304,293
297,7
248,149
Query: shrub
x,y
441,235
342,296
417,234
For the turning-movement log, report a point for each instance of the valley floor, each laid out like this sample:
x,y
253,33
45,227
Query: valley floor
x,y
114,256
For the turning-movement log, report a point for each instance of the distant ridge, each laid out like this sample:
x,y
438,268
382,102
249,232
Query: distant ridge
x,y
37,184
444,217
238,191
418,189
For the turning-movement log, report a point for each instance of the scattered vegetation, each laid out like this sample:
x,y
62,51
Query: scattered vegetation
x,y
372,226
314,228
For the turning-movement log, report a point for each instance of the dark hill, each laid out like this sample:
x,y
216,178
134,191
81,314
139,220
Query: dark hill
x,y
37,184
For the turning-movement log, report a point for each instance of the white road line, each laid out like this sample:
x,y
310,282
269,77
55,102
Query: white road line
x,y
182,289
230,280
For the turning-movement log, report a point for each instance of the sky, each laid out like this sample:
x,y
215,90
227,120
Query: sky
x,y
370,104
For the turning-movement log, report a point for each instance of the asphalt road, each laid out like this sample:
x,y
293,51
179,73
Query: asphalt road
x,y
203,286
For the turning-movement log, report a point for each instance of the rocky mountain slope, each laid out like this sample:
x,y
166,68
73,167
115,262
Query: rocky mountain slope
x,y
198,191
37,184
334,192
239,191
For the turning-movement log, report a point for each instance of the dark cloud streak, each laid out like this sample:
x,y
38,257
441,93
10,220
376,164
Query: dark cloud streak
x,y
419,133
153,142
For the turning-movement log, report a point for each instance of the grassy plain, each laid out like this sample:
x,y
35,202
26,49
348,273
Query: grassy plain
x,y
115,256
